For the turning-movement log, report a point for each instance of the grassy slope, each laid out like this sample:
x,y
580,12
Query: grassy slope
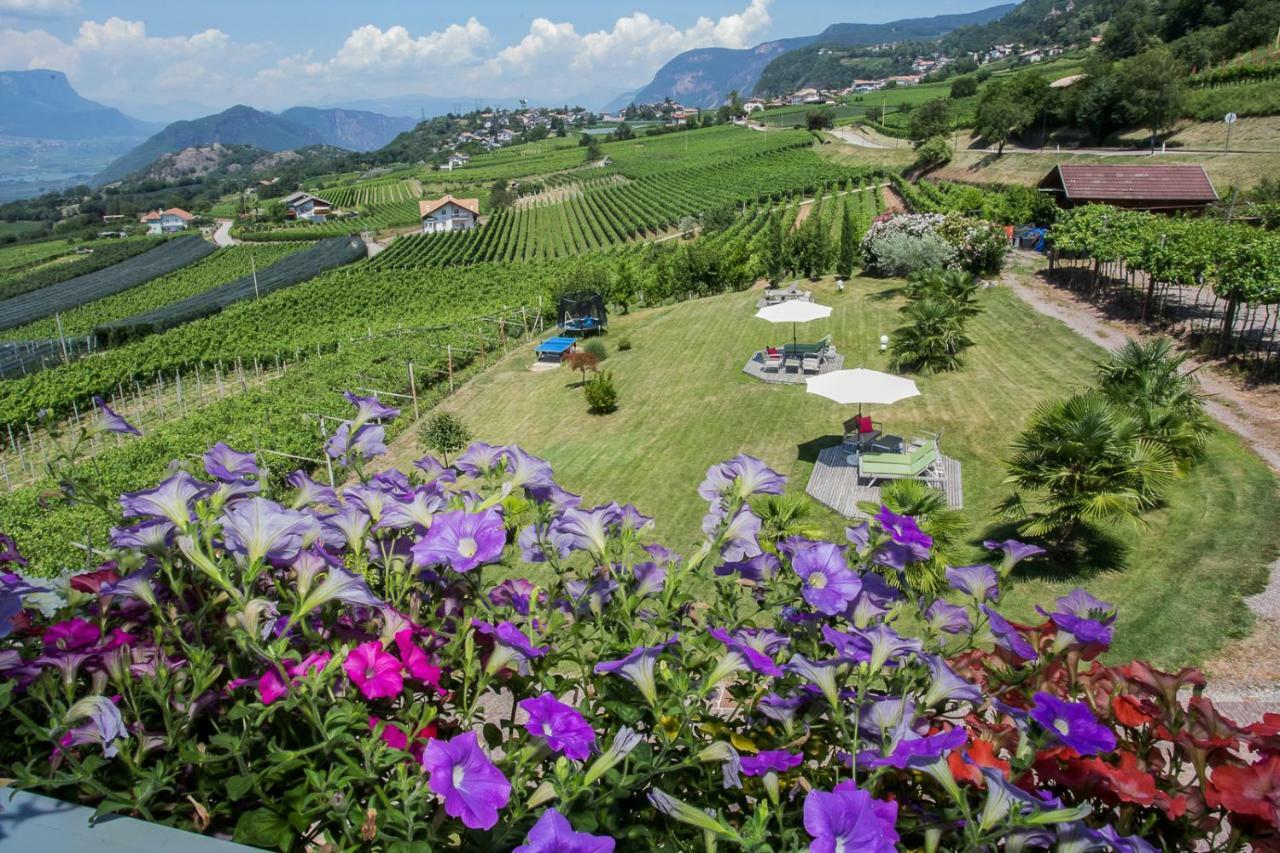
x,y
685,404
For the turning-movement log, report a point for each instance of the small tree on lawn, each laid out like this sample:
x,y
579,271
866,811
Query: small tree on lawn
x,y
848,246
582,361
602,396
445,433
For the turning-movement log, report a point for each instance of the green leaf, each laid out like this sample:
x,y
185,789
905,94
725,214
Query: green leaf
x,y
112,806
492,735
409,847
238,786
263,828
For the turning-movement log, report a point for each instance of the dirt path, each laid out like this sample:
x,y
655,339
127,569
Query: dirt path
x,y
222,234
1245,675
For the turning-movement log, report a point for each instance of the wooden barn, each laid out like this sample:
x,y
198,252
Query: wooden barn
x,y
1159,188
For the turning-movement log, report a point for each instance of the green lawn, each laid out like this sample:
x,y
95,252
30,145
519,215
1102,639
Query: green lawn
x,y
685,404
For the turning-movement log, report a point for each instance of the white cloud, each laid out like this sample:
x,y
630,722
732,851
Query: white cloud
x,y
39,8
394,48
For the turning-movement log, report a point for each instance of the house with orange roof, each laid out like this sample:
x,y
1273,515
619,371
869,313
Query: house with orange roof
x,y
449,214
166,221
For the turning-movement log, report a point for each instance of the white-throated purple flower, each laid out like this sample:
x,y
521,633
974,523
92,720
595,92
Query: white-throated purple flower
x,y
718,480
760,568
638,668
849,819
348,446
1072,723
480,458
104,724
829,584
109,421
886,646
526,471
553,834
510,645
259,529
821,673
516,593
563,729
624,741
1082,618
462,540
369,409
915,752
631,519
979,582
737,655
739,541
782,709
890,718
152,536
771,761
372,499
588,595
226,465
903,530
172,499
1014,552
347,527
859,536
415,509
1007,636
764,640
650,578
946,686
136,585
588,529
338,585
540,541
751,477
949,618
473,788
554,497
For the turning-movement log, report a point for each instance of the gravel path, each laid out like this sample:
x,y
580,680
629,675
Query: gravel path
x,y
1245,677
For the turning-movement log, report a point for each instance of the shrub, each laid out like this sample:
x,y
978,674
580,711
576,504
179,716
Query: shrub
x,y
973,245
284,675
445,433
602,396
583,361
596,347
624,344
903,254
933,154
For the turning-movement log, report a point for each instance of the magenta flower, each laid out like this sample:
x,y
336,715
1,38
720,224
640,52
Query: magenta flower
x,y
227,465
311,664
564,729
1072,723
553,834
72,635
473,789
271,686
374,671
109,421
462,540
771,761
848,818
416,662
829,584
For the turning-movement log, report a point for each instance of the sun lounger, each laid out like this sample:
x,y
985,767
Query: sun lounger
x,y
811,363
919,461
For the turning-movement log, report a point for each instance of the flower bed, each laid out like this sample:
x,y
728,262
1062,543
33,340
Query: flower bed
x,y
468,657
901,244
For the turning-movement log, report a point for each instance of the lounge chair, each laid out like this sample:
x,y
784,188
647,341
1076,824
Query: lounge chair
x,y
919,461
772,358
861,430
811,363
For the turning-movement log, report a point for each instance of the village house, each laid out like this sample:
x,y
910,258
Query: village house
x,y
166,221
456,160
1162,188
904,79
504,136
448,214
306,207
753,104
806,96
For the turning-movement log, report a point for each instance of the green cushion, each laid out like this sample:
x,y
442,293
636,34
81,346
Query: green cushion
x,y
899,464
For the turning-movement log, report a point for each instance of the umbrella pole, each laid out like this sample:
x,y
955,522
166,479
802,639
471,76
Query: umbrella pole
x,y
793,334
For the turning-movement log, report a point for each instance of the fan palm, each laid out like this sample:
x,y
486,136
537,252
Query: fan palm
x,y
928,506
933,338
784,516
1082,460
1149,382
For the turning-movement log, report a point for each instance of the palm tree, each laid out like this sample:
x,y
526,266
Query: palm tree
x,y
786,515
928,506
933,338
1083,460
1149,382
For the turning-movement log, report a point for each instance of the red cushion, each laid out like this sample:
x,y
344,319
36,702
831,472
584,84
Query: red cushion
x,y
771,350
864,424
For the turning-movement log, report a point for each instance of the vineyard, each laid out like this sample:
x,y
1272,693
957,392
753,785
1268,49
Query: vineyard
x,y
370,193
222,266
49,300
379,217
24,269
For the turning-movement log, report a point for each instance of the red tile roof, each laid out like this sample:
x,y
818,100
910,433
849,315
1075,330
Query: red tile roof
x,y
1167,182
426,208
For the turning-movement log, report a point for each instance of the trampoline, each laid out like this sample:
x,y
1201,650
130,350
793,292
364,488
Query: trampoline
x,y
582,314
554,349
582,325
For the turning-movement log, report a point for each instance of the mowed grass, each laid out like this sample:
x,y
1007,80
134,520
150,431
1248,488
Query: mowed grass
x,y
685,404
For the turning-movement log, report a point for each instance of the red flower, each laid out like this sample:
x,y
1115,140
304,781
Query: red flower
x,y
1125,782
1266,733
1251,791
91,582
1132,711
981,753
1162,684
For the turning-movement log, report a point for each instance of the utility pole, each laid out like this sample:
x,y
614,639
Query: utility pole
x,y
254,267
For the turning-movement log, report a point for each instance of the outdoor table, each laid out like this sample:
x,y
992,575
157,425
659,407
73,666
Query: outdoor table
x,y
887,444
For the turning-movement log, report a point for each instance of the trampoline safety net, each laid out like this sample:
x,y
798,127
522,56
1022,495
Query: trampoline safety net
x,y
572,308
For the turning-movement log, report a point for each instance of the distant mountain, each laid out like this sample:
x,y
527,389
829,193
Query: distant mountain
x,y
246,160
422,107
41,104
1038,22
299,127
705,77
620,102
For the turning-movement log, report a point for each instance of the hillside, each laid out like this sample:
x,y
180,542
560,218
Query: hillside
x,y
1036,22
41,104
704,77
218,159
355,130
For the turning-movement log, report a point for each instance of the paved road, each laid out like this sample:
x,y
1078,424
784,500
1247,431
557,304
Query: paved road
x,y
853,137
222,234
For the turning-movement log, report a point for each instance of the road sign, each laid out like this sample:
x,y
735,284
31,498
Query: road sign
x,y
1230,118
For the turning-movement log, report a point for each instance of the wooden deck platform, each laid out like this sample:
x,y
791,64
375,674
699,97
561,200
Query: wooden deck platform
x,y
835,483
755,369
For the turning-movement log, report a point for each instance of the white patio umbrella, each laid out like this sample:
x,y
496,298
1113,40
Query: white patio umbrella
x,y
862,386
795,311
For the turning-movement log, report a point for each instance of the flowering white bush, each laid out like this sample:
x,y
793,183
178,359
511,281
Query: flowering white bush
x,y
952,240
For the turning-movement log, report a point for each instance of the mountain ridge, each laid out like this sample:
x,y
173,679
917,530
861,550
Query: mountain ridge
x,y
41,104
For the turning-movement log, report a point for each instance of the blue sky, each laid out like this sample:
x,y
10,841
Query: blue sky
x,y
163,60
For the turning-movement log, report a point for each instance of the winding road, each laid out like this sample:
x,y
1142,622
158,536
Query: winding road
x,y
222,234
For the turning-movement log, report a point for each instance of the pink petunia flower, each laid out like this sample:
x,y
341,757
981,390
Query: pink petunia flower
x,y
271,686
374,671
416,662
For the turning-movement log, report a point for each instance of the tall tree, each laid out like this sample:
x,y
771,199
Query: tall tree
x,y
929,120
772,258
1154,90
848,245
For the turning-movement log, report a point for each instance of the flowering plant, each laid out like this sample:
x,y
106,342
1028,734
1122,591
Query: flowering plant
x,y
466,656
975,245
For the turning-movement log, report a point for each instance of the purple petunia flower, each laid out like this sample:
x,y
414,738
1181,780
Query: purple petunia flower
x,y
462,540
821,673
510,645
588,595
740,538
153,536
526,471
782,709
637,667
109,421
480,458
946,686
739,653
751,477
1125,843
860,536
588,529
771,761
259,529
70,636
979,582
760,568
415,509
516,593
104,724
949,618
650,578
564,729
631,519
348,446
1084,617
915,752
553,834
849,818
1014,552
877,646
1073,723
903,530
539,542
171,499
1007,636
829,584
223,463
473,788
368,409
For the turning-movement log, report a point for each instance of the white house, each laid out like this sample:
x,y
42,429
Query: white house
x,y
307,207
449,214
806,96
505,136
753,104
456,160
166,221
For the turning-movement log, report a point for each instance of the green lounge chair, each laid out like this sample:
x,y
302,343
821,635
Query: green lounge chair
x,y
899,466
